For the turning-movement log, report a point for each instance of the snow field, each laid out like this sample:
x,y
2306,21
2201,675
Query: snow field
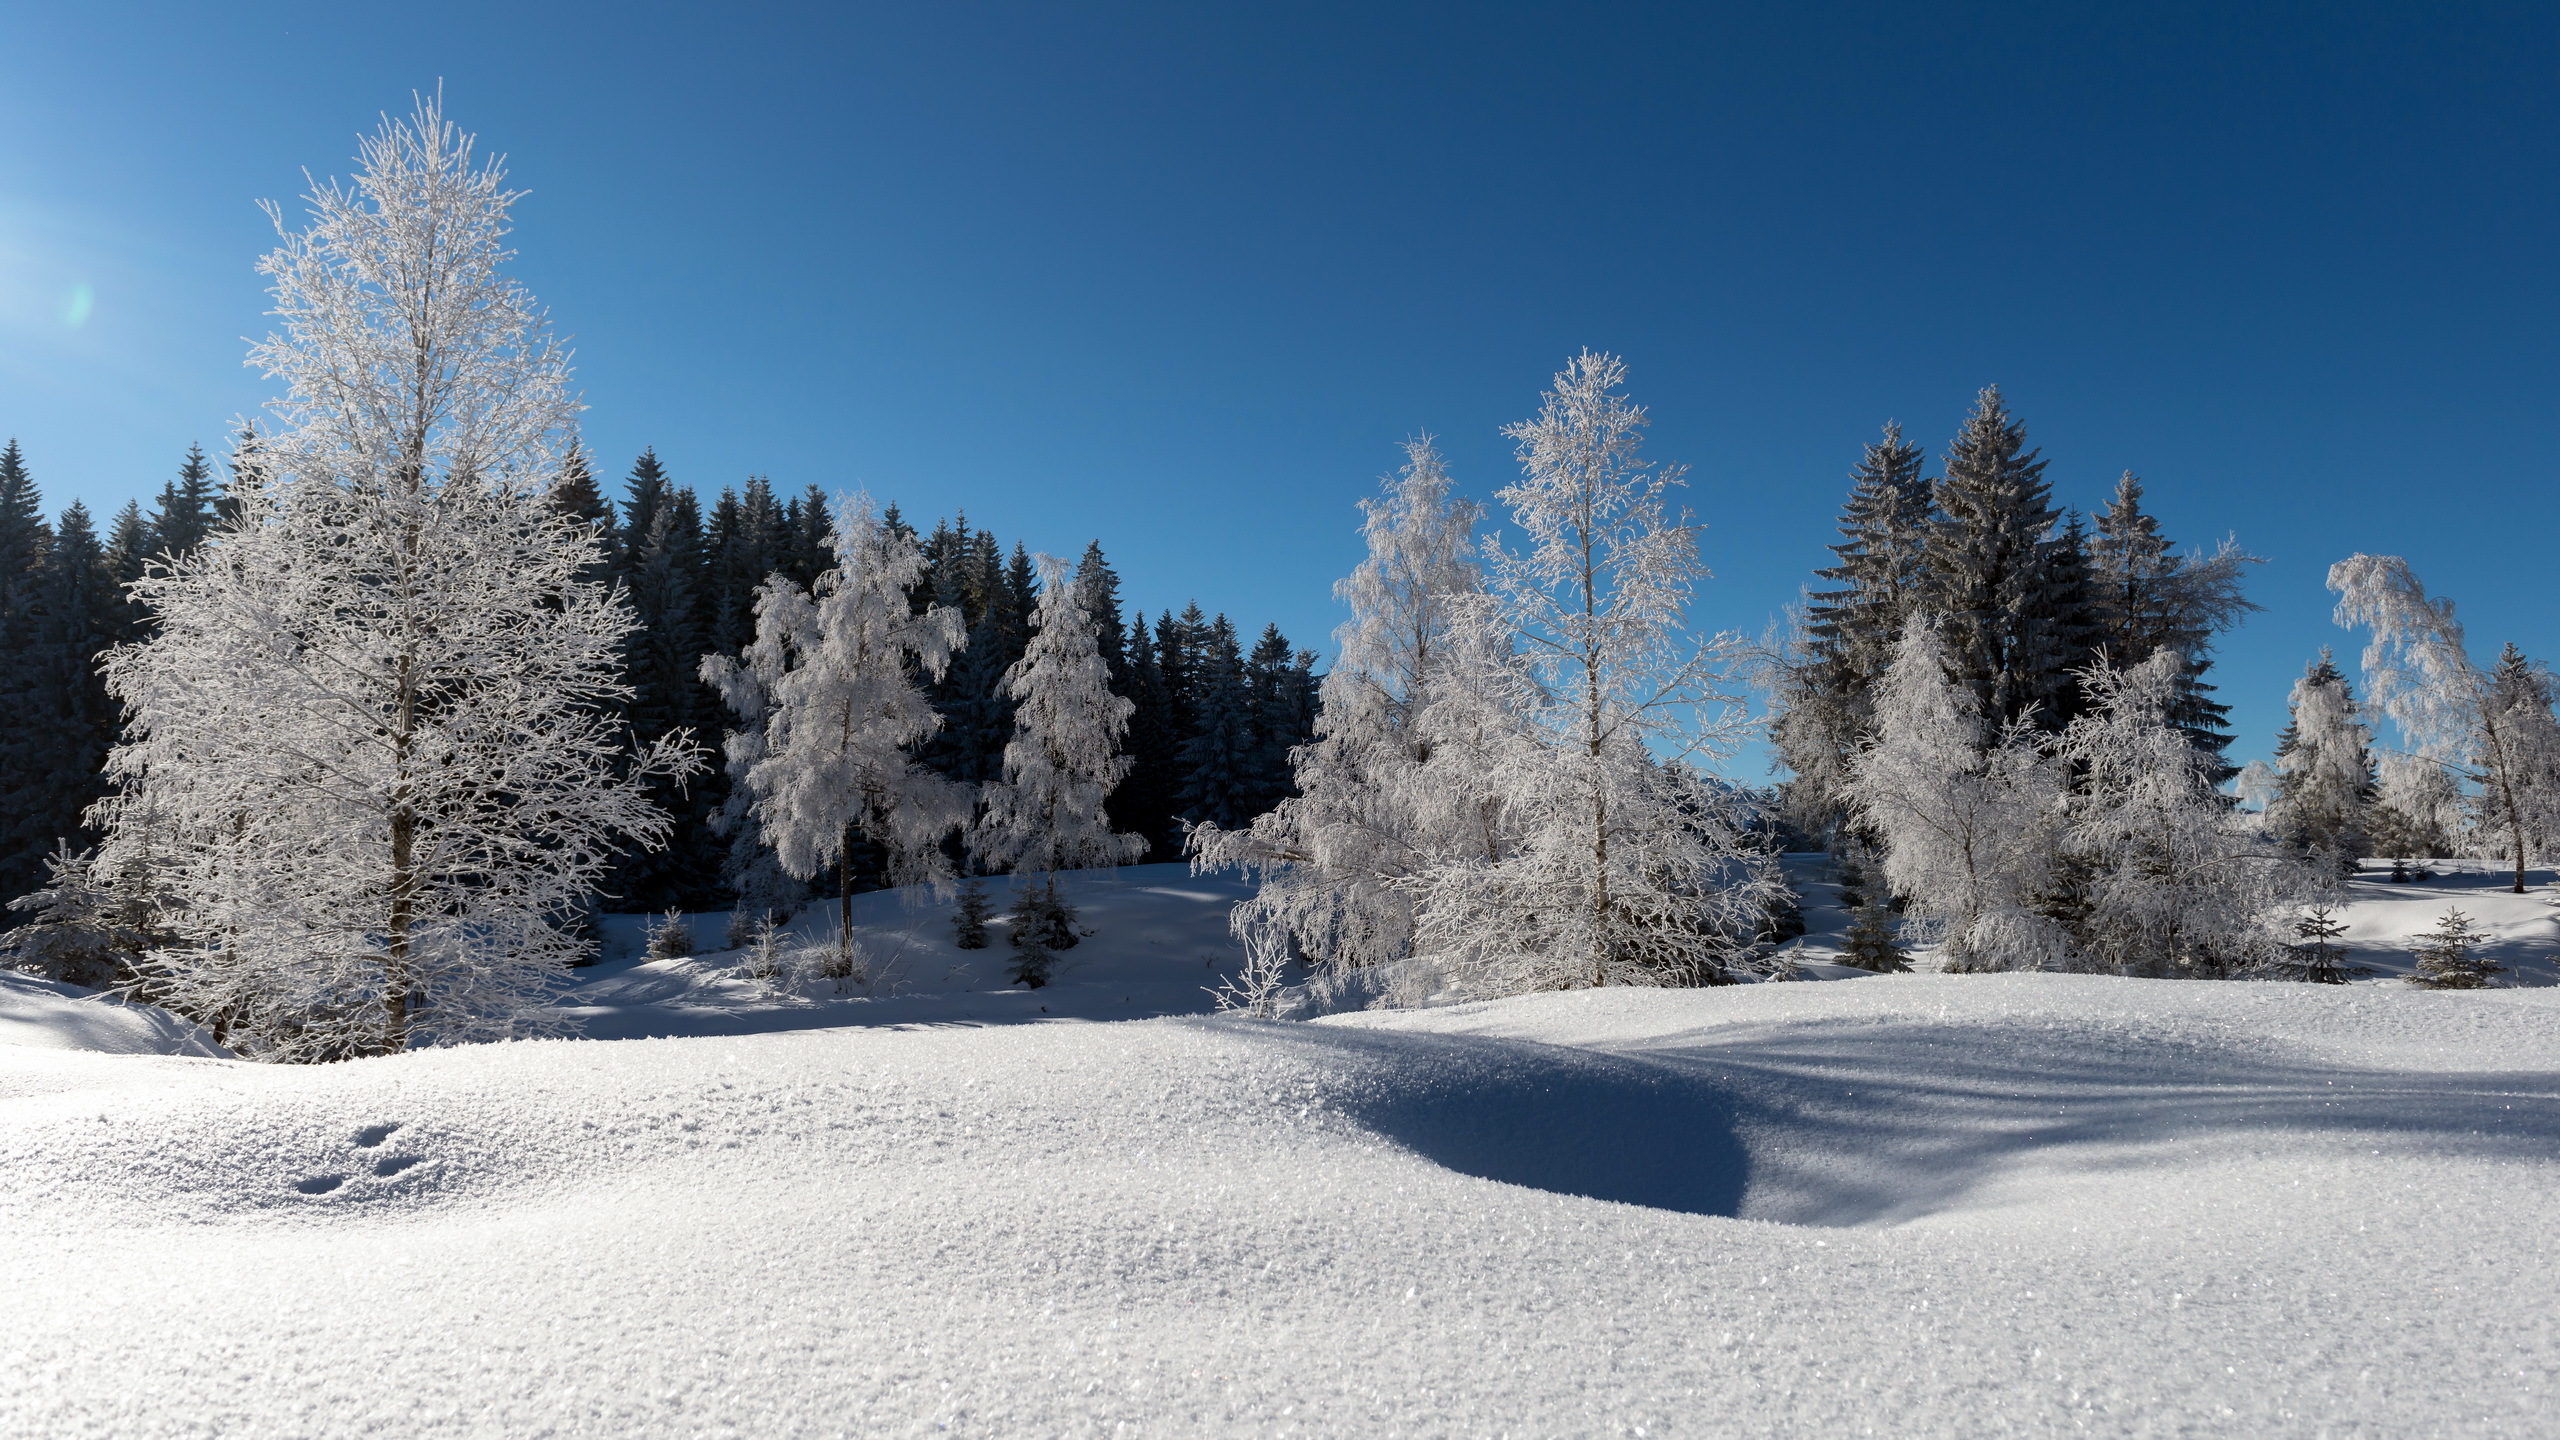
x,y
1983,1205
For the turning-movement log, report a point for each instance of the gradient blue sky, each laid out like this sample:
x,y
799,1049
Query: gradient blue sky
x,y
1181,277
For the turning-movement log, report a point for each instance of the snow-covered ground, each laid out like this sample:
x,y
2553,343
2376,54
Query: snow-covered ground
x,y
1913,1205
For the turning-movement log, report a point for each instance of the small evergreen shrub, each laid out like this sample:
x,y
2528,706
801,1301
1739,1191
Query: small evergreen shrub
x,y
671,938
969,919
2450,958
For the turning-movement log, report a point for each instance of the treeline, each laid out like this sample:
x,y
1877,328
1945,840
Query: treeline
x,y
1208,740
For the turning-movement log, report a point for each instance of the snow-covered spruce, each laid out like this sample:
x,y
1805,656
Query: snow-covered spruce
x,y
369,762
1624,865
835,667
1064,758
2323,776
1382,793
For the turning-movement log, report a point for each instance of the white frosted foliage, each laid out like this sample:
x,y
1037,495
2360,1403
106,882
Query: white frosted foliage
x,y
1062,763
369,764
1592,703
2175,881
835,666
1968,820
1388,787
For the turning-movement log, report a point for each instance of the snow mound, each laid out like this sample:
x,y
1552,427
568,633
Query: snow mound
x,y
1926,1205
43,1015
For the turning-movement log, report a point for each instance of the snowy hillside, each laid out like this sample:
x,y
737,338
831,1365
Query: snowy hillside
x,y
1989,1205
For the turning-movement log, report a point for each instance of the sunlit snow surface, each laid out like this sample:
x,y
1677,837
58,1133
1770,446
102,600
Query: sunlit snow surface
x,y
1927,1205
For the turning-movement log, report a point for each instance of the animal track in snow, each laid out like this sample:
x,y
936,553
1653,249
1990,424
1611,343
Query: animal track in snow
x,y
368,1138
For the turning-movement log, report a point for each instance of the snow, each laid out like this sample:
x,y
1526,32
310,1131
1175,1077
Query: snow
x,y
1919,1205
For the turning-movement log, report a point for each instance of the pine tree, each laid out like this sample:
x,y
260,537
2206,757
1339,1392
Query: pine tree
x,y
1220,783
1280,706
2449,958
969,916
2149,599
1101,587
837,668
664,576
130,548
367,762
1871,943
1145,804
1991,565
2324,761
72,721
26,757
1628,866
184,513
1046,812
747,544
1380,795
2318,959
1823,697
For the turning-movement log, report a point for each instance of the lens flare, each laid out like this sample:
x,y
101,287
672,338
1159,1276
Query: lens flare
x,y
76,306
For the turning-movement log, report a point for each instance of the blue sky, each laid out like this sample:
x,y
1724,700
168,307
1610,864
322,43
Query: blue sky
x,y
1181,277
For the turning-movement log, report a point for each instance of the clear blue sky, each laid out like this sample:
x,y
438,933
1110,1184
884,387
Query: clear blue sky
x,y
1180,277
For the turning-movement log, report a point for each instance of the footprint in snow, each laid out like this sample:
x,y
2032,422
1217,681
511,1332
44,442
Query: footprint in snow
x,y
368,1138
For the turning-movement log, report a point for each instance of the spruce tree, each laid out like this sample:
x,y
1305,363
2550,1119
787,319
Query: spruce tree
x,y
1101,586
2324,770
969,916
664,577
1991,565
1219,774
1280,703
183,515
2449,958
2318,959
2148,599
130,547
1822,697
26,681
1145,802
1871,943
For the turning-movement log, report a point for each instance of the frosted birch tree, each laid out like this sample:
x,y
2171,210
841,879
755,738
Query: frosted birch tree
x,y
1063,760
1387,788
1967,819
836,666
2450,714
369,765
1624,865
2171,879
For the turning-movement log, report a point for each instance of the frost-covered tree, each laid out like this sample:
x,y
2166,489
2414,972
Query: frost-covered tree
x,y
1064,759
1625,866
765,891
2324,770
1381,796
2168,878
368,762
1966,816
837,666
2496,725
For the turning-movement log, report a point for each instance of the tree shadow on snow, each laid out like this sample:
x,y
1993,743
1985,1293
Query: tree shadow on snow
x,y
1547,1117
1885,1123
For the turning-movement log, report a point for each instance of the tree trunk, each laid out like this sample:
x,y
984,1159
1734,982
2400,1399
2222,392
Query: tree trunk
x,y
404,872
